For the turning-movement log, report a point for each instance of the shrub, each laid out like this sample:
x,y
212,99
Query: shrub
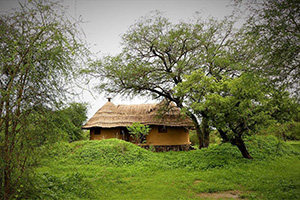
x,y
264,147
63,186
286,131
214,138
227,155
110,152
193,138
138,132
55,151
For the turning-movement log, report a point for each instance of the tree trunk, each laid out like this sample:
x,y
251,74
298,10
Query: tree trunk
x,y
199,135
204,127
202,131
7,168
238,141
223,135
7,188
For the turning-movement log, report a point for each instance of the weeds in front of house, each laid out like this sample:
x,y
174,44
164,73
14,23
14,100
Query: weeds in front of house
x,y
115,169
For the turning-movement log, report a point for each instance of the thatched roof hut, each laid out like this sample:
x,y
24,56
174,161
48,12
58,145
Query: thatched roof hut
x,y
111,115
169,127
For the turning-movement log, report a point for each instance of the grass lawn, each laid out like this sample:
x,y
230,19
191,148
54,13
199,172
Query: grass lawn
x,y
115,169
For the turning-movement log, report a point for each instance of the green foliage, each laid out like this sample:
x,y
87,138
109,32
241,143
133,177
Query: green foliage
x,y
115,169
70,120
157,55
40,54
214,138
115,152
55,151
138,132
226,155
267,147
274,26
63,187
193,138
228,100
235,106
286,131
111,152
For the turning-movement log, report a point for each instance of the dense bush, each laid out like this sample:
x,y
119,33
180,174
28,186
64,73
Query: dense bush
x,y
111,152
286,131
69,121
115,152
68,186
56,151
227,155
264,147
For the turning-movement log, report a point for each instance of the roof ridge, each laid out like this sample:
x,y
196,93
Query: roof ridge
x,y
137,104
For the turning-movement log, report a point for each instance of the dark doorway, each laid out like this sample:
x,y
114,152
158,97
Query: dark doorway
x,y
125,133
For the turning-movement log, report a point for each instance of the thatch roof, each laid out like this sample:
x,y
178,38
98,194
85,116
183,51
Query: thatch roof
x,y
111,115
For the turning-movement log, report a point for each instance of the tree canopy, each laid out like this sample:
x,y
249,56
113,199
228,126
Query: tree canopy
x,y
274,26
40,50
157,54
237,106
212,67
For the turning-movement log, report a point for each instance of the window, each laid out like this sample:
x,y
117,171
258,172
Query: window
x,y
97,131
162,129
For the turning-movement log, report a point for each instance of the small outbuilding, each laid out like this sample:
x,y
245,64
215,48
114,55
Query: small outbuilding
x,y
169,127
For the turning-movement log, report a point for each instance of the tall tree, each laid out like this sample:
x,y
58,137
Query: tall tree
x,y
39,49
274,26
157,54
236,106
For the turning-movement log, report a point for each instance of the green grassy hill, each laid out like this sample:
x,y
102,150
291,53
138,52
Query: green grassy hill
x,y
115,169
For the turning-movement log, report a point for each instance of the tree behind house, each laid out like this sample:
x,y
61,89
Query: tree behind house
x,y
157,55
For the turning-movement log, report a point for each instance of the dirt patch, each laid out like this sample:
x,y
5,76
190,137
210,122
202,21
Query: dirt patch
x,y
76,147
233,194
197,181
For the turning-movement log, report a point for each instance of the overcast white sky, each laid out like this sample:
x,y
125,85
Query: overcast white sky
x,y
107,20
